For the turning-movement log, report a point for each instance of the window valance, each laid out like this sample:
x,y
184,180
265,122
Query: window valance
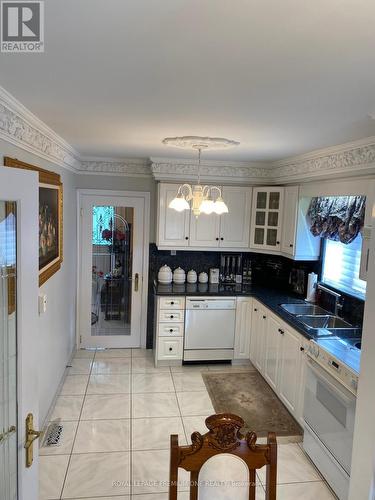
x,y
337,218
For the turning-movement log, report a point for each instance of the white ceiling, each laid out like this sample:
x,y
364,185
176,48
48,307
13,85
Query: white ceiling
x,y
282,77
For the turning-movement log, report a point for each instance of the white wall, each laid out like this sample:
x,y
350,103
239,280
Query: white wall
x,y
362,484
122,183
57,325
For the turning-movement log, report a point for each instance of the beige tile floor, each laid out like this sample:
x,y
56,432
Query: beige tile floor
x,y
118,412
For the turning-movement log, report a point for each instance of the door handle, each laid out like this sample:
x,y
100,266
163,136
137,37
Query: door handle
x,y
136,282
31,436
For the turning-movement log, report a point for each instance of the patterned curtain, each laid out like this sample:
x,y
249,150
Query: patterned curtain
x,y
337,218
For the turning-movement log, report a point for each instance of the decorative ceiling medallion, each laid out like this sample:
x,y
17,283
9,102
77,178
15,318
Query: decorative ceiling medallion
x,y
197,142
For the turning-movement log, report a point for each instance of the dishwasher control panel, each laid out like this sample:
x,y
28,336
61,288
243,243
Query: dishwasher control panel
x,y
210,303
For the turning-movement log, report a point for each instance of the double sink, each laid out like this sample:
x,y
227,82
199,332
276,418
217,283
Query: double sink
x,y
314,317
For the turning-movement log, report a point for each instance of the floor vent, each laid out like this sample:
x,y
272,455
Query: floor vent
x,y
53,435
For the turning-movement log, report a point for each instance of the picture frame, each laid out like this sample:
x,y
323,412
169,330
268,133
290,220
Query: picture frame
x,y
50,218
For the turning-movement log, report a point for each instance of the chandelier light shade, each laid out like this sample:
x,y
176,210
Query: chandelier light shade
x,y
203,199
179,203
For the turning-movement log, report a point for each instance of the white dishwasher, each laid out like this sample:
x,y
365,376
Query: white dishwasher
x,y
209,328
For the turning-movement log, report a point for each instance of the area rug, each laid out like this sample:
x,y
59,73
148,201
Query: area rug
x,y
249,396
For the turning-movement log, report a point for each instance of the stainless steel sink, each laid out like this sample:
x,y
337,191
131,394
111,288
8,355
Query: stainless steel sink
x,y
305,309
326,321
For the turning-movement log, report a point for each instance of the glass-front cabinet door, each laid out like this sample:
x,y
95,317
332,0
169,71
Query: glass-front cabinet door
x,y
267,218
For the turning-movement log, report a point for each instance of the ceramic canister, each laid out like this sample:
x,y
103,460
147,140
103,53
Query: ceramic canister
x,y
165,274
192,276
203,278
179,276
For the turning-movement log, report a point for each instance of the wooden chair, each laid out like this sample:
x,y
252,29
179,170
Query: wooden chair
x,y
224,437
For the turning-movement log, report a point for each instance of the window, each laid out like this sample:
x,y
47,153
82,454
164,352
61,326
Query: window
x,y
8,241
341,266
102,218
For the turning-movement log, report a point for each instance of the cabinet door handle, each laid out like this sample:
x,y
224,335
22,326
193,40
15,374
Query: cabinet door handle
x,y
291,245
217,239
171,316
222,239
301,349
172,303
277,242
264,317
171,349
171,330
281,331
186,237
255,309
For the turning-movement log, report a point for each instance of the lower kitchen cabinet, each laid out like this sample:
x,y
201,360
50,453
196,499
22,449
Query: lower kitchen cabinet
x,y
272,351
291,359
170,348
169,330
242,335
257,337
278,352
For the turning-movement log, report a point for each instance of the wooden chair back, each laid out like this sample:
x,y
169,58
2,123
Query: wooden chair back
x,y
224,437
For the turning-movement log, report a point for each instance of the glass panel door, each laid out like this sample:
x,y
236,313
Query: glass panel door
x,y
267,217
8,352
112,305
260,217
112,255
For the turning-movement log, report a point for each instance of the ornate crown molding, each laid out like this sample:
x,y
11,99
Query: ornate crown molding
x,y
112,166
346,160
23,129
167,169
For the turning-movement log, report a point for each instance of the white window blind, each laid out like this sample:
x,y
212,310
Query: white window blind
x,y
341,266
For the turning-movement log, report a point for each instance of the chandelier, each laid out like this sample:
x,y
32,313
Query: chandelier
x,y
204,199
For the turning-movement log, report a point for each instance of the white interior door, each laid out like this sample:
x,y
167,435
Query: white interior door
x,y
113,269
19,357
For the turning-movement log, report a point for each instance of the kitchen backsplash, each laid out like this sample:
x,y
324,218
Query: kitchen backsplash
x,y
268,270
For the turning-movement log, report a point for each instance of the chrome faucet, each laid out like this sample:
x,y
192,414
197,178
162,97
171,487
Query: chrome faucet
x,y
335,295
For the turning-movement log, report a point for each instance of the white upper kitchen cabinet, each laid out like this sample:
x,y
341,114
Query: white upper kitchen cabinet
x,y
235,225
297,242
183,230
288,238
266,218
173,228
204,231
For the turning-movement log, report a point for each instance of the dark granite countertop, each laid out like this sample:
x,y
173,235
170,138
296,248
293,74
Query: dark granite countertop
x,y
271,298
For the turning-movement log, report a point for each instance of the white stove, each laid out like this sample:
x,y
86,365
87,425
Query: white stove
x,y
338,358
329,409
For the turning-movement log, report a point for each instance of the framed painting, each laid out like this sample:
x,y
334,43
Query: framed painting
x,y
50,218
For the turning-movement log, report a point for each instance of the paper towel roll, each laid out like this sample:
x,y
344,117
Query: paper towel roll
x,y
311,287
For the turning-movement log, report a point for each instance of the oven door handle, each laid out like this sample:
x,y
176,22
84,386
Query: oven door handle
x,y
339,389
